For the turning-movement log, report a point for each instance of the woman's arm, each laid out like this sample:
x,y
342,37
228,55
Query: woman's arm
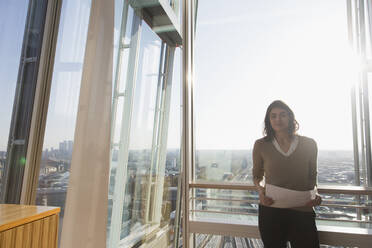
x,y
313,176
313,173
258,173
258,169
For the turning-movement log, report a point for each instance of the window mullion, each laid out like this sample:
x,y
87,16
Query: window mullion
x,y
119,61
163,132
155,139
121,171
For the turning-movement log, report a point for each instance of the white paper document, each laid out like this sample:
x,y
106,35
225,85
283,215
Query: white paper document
x,y
287,198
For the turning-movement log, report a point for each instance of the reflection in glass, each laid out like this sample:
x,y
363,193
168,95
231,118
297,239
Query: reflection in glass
x,y
136,204
152,168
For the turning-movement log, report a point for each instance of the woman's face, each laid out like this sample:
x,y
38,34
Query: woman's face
x,y
279,119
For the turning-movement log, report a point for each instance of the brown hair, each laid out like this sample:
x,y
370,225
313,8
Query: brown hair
x,y
292,124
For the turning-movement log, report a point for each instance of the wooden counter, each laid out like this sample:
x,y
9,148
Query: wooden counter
x,y
28,226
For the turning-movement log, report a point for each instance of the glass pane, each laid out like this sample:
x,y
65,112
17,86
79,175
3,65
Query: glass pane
x,y
296,51
173,156
63,105
136,215
12,26
341,210
238,206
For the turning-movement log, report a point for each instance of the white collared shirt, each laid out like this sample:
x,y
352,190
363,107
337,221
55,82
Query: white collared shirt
x,y
291,149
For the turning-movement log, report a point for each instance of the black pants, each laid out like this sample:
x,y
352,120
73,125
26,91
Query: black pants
x,y
279,225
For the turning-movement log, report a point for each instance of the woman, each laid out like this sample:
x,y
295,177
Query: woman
x,y
289,161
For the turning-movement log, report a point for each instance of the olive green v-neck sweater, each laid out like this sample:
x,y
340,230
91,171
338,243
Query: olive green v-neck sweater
x,y
298,171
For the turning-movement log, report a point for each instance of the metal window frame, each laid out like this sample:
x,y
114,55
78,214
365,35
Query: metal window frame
x,y
161,17
364,83
357,30
187,146
166,91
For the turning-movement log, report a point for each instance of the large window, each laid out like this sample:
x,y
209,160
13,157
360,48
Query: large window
x,y
63,105
296,51
250,53
145,155
146,133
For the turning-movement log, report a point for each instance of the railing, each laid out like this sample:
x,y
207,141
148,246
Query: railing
x,y
354,190
230,209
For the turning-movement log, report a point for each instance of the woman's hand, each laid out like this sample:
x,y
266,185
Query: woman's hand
x,y
264,200
315,202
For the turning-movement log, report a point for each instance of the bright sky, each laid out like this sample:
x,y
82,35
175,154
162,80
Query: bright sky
x,y
249,53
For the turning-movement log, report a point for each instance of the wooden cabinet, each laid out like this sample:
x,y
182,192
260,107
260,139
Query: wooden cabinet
x,y
23,226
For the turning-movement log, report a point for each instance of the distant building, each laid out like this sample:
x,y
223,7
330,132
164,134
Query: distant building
x,y
51,165
70,145
66,146
63,146
2,154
